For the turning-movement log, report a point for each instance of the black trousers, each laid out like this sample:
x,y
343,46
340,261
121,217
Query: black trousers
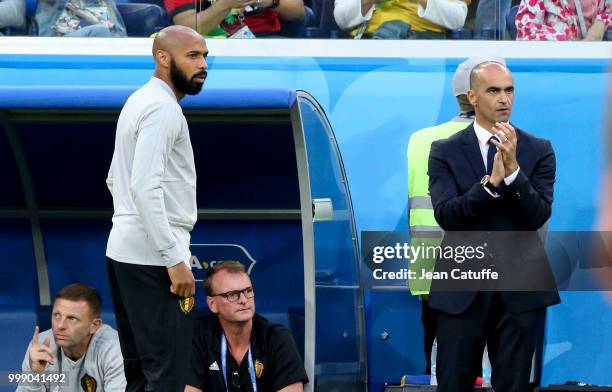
x,y
428,320
155,334
511,340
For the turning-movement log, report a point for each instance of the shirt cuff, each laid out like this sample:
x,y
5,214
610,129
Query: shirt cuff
x,y
359,19
510,179
368,14
172,256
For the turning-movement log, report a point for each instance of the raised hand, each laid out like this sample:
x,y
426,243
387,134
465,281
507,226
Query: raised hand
x,y
497,172
40,354
507,147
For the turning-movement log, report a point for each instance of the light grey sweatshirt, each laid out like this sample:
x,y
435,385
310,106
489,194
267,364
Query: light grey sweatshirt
x,y
152,180
102,364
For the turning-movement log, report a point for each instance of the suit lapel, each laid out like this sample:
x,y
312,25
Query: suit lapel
x,y
472,152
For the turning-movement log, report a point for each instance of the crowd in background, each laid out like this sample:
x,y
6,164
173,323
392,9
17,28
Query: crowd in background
x,y
551,20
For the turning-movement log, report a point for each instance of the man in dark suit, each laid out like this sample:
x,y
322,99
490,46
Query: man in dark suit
x,y
502,209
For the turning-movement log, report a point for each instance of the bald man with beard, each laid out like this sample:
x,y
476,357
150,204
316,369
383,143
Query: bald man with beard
x,y
152,180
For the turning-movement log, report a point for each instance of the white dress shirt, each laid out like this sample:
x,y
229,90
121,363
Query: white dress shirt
x,y
483,143
152,180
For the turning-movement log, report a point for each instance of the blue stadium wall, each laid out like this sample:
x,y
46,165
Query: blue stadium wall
x,y
376,95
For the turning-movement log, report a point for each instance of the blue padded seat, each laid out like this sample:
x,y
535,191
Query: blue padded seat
x,y
17,325
30,11
462,33
141,19
297,28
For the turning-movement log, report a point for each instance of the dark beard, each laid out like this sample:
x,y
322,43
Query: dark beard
x,y
182,83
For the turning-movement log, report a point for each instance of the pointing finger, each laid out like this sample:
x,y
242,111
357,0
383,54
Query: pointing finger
x,y
35,336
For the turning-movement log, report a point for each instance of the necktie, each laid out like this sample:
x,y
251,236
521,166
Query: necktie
x,y
490,156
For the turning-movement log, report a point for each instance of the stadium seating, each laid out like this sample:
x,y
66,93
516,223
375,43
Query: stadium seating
x,y
141,19
462,33
510,21
30,10
297,28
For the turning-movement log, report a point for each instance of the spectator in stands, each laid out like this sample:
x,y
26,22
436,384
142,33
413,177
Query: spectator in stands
x,y
235,346
79,18
12,13
78,346
563,20
235,18
491,14
398,19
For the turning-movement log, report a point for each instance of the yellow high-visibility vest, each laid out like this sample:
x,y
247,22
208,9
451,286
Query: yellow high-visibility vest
x,y
424,230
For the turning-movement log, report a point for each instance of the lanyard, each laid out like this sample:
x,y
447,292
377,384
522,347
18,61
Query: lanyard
x,y
60,358
224,364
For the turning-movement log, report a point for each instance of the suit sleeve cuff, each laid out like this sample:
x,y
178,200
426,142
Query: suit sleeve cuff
x,y
518,187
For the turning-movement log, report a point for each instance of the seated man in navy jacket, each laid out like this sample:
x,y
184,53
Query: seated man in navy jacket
x,y
237,350
491,185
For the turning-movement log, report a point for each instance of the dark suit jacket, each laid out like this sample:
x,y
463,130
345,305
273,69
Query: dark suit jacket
x,y
507,224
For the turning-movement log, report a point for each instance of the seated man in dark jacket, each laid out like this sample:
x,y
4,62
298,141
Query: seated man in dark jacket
x,y
235,346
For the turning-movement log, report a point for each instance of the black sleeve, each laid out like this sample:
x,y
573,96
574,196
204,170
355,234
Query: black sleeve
x,y
198,374
288,366
453,211
533,196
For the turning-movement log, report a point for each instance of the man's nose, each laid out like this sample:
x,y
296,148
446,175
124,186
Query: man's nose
x,y
242,297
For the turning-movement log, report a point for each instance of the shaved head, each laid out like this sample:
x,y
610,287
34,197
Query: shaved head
x,y
491,93
169,37
477,72
180,59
